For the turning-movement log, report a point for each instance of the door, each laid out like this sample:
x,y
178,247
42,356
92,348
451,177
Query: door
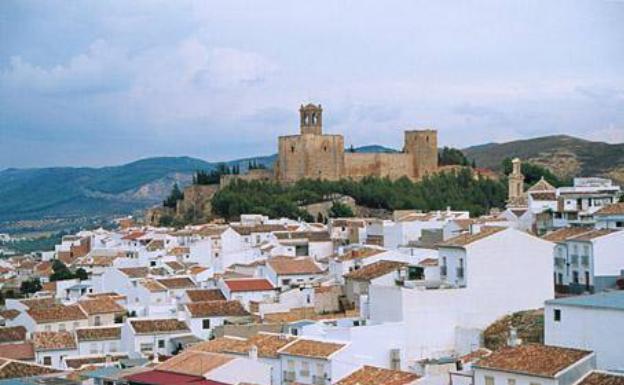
x,y
587,280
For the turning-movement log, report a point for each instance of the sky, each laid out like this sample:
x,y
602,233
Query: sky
x,y
93,83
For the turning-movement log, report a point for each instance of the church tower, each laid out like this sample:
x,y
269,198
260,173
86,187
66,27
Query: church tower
x,y
516,182
311,119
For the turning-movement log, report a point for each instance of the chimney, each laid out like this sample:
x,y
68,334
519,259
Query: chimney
x,y
513,337
253,353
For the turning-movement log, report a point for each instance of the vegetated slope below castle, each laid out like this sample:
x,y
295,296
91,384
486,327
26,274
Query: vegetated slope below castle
x,y
566,156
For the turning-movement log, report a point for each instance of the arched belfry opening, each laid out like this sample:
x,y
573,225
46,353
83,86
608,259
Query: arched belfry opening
x,y
311,116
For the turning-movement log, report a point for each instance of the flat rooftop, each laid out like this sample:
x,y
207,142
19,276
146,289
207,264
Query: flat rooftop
x,y
606,300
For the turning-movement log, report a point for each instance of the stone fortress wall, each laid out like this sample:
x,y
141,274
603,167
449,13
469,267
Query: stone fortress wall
x,y
315,155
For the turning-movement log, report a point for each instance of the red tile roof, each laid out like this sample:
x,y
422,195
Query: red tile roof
x,y
252,284
12,334
21,351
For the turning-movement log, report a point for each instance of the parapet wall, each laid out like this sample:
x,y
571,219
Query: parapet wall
x,y
382,165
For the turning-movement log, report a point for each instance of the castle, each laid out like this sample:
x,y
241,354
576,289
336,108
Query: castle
x,y
314,155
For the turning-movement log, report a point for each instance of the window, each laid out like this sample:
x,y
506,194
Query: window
x,y
557,315
76,325
285,282
62,327
489,380
320,370
98,320
47,360
575,276
305,369
161,344
93,348
206,324
48,328
291,365
146,347
511,381
112,347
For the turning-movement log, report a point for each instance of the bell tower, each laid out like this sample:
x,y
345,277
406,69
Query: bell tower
x,y
311,119
516,181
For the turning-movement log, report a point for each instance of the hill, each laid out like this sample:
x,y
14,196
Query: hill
x,y
566,156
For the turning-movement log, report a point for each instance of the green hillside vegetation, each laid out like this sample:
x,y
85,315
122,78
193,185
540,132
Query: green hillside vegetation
x,y
533,173
459,190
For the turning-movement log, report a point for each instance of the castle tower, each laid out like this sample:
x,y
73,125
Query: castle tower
x,y
516,182
422,145
311,119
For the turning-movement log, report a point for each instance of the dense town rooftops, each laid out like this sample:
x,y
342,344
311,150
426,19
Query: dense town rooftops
x,y
177,282
133,236
612,209
12,334
312,348
9,314
159,326
294,266
159,377
466,239
204,295
98,333
135,272
375,270
604,300
53,341
267,344
152,285
38,302
175,265
102,305
57,313
544,196
533,359
216,309
249,284
18,369
359,253
370,375
80,361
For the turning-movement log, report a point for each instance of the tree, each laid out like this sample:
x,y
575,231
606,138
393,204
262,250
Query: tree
x,y
173,198
81,274
340,210
30,286
60,271
533,173
452,156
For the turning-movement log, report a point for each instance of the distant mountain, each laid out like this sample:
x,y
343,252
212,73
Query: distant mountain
x,y
564,155
37,193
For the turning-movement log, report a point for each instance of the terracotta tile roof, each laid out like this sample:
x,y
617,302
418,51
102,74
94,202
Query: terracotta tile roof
x,y
294,266
57,313
312,348
18,369
38,302
532,359
49,286
600,378
216,309
248,230
204,295
53,341
564,233
370,375
9,314
98,333
375,270
466,239
44,268
268,344
133,236
79,362
152,285
197,269
135,272
612,209
310,236
12,334
464,224
179,250
359,253
194,363
96,260
175,265
111,295
475,355
101,306
590,235
210,231
21,351
155,326
544,196
249,284
177,283
429,262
